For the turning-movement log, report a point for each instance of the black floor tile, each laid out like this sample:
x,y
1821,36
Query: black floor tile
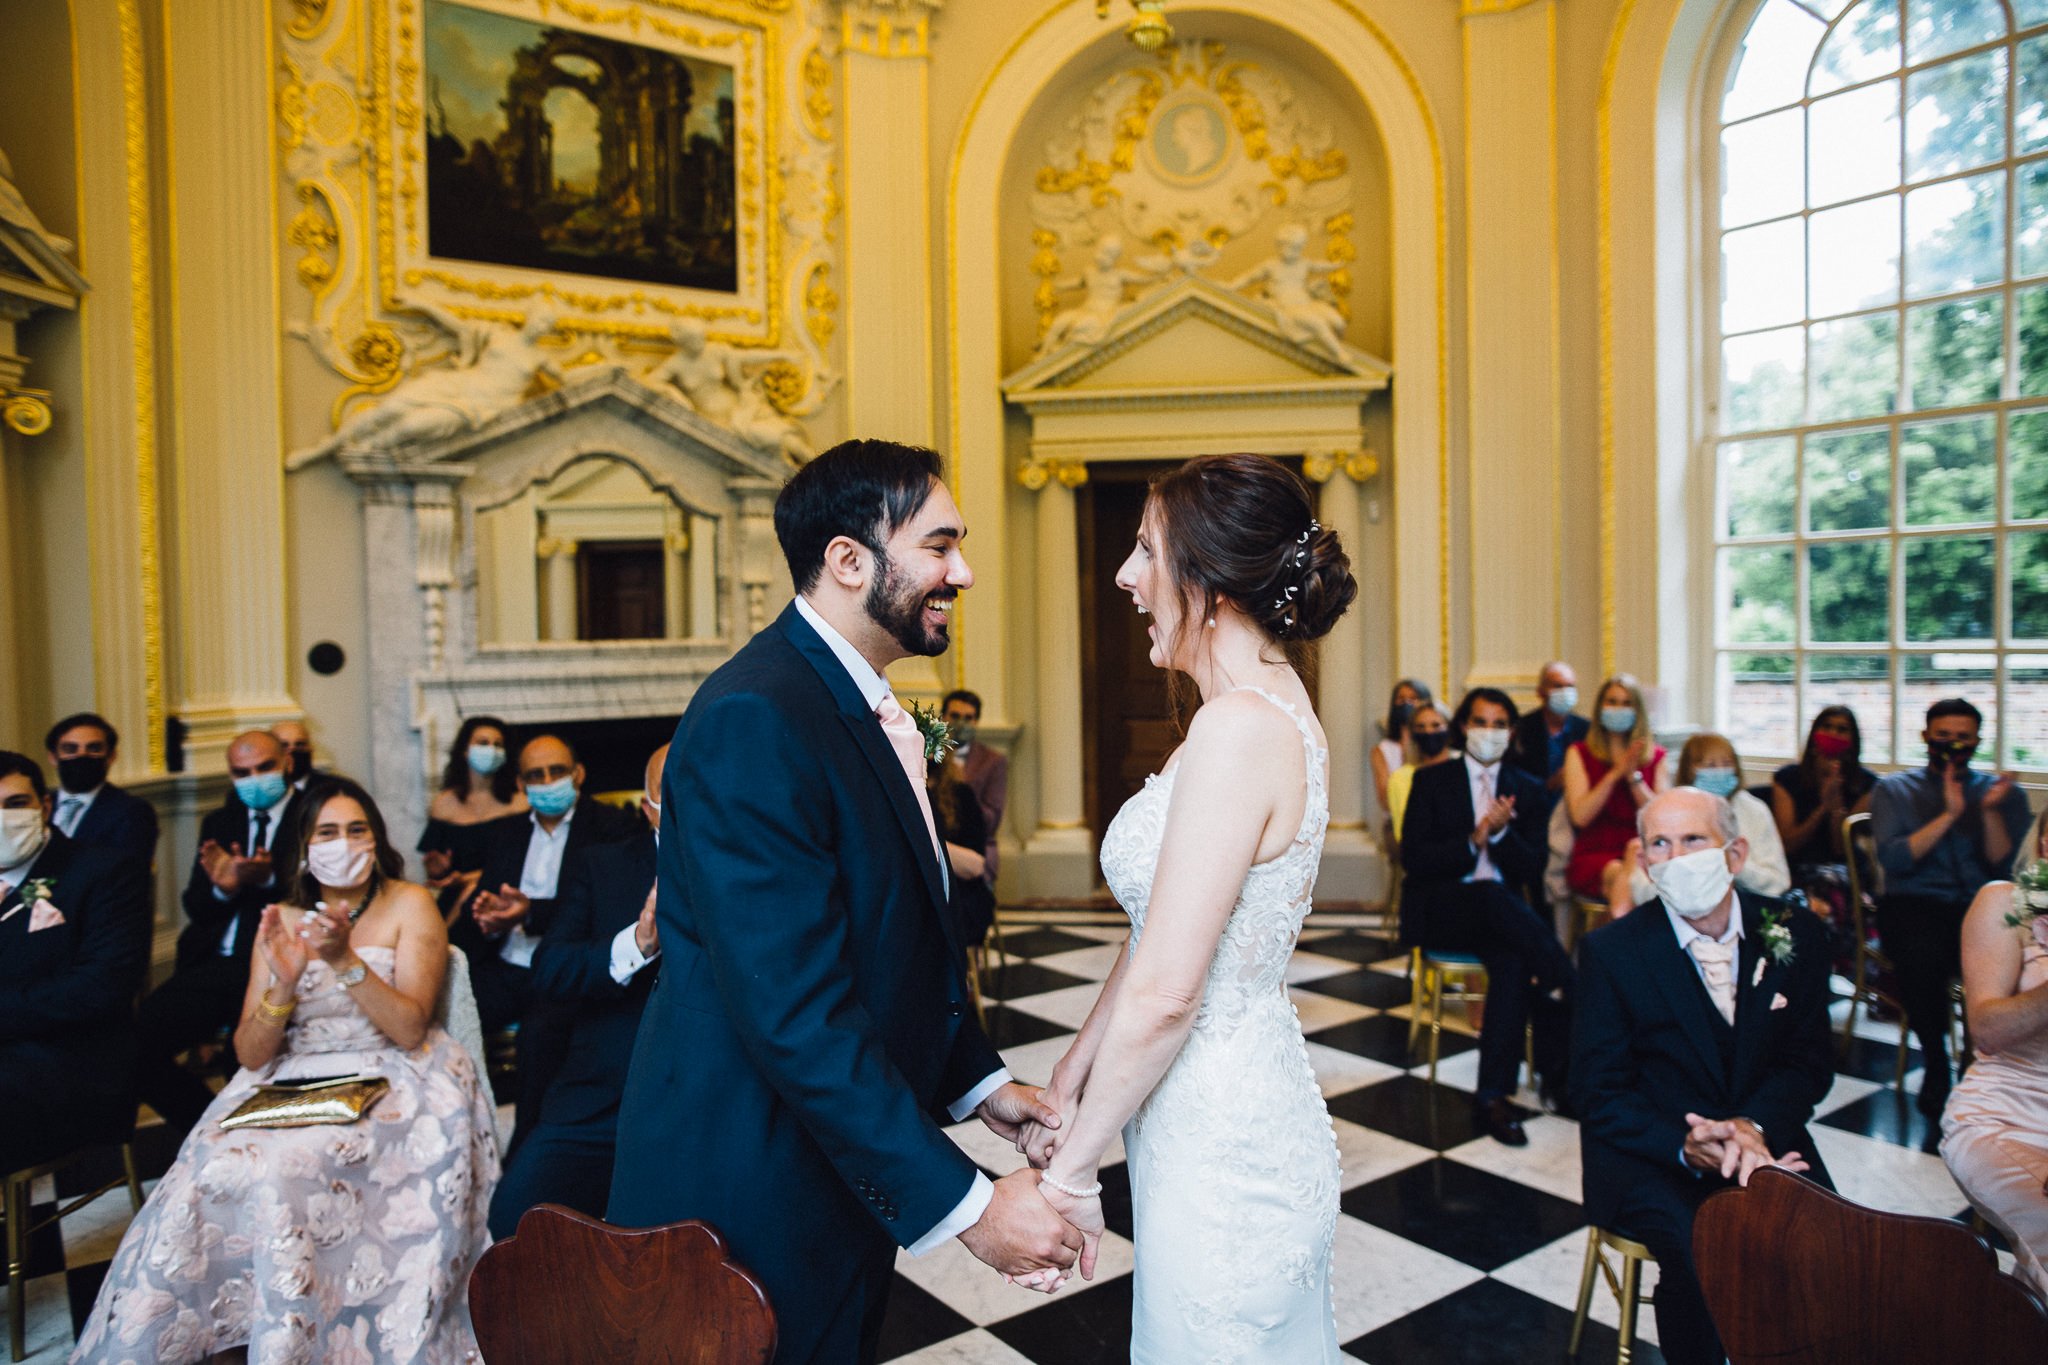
x,y
1384,1038
1408,1107
1092,1328
1009,1027
1889,1117
1465,1213
1874,1061
1362,987
1353,946
1045,942
1488,1323
1015,980
81,1287
915,1320
1116,1200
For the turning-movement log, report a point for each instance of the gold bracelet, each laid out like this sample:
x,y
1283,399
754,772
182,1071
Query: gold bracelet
x,y
276,1014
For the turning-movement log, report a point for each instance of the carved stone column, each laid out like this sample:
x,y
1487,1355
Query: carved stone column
x,y
757,557
1513,490
885,46
398,752
558,597
1354,864
1060,853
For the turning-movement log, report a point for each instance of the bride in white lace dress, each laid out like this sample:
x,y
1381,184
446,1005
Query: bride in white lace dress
x,y
1194,1052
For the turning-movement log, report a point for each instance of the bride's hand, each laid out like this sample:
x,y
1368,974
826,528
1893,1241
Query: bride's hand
x,y
1038,1142
1084,1215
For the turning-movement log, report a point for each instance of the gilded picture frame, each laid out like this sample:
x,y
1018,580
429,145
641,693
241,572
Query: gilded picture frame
x,y
611,292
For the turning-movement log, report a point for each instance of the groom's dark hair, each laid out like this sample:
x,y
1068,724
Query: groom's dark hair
x,y
861,489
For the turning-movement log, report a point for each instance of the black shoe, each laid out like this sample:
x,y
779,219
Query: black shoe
x,y
1502,1122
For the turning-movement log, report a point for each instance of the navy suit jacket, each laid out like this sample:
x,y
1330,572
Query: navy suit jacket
x,y
501,846
810,1016
1647,1048
207,915
600,894
67,992
121,821
1436,844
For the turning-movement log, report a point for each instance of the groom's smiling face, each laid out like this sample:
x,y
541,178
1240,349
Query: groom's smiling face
x,y
919,575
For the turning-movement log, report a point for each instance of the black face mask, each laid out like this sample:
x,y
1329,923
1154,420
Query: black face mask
x,y
81,774
302,764
1953,752
1430,743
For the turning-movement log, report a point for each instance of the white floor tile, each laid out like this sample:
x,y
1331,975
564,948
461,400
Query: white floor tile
x,y
969,1348
1882,1176
952,1275
1323,1011
1093,963
1032,1063
1309,966
1366,1154
1844,1092
1068,1006
1549,1163
1338,1071
1378,1277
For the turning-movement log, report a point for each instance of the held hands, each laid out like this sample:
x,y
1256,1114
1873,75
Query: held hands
x,y
284,951
1014,1108
1732,1147
1019,1234
1038,1141
1084,1215
497,911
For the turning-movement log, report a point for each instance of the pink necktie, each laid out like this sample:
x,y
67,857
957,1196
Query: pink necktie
x,y
1717,964
908,742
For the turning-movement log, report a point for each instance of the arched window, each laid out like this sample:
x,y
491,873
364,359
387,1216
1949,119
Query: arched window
x,y
1878,402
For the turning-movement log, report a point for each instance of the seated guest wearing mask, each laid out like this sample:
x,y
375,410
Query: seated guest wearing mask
x,y
1942,832
1994,1134
1811,797
74,948
90,809
520,859
1473,835
1392,750
477,787
981,768
1609,776
1429,736
298,753
233,878
329,1242
597,964
1546,735
1700,1045
1709,762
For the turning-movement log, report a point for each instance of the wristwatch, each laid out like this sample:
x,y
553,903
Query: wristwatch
x,y
353,976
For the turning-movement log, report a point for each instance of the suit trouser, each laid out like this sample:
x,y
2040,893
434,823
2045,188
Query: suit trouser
x,y
199,999
1923,938
557,1163
1659,1214
54,1100
1491,923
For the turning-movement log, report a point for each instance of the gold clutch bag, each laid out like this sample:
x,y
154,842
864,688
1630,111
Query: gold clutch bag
x,y
301,1104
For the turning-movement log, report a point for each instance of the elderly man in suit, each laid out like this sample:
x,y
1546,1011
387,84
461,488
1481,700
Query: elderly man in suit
x,y
245,849
1699,1049
74,947
985,771
1546,734
90,809
596,965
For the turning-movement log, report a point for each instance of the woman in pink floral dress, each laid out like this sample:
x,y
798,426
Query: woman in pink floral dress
x,y
342,1244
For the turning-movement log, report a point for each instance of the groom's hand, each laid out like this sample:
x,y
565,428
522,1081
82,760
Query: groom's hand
x,y
1009,1109
1019,1233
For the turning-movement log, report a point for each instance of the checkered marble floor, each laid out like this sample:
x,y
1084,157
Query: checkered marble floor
x,y
1450,1247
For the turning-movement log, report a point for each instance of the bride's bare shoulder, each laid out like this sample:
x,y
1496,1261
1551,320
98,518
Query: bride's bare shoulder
x,y
1238,723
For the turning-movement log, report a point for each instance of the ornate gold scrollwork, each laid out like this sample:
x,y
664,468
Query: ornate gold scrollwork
x,y
1036,475
1341,253
309,17
314,229
784,386
817,106
377,355
25,410
1130,131
1323,465
821,301
1045,263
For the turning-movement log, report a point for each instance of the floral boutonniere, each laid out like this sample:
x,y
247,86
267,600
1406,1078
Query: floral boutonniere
x,y
37,889
1777,932
938,736
2029,911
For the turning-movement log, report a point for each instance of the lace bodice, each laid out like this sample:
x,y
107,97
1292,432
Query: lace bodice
x,y
1234,1170
1251,959
328,1018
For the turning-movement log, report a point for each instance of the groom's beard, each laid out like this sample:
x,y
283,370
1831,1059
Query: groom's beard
x,y
897,606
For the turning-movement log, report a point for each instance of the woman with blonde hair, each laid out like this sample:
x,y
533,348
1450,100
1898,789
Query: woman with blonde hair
x,y
1608,776
1709,762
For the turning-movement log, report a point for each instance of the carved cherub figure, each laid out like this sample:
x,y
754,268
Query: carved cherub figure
x,y
1104,283
714,379
1292,284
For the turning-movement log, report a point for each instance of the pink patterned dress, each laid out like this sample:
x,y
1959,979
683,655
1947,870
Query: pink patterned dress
x,y
341,1245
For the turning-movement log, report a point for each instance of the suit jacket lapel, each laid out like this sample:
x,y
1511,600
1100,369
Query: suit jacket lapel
x,y
1673,970
866,730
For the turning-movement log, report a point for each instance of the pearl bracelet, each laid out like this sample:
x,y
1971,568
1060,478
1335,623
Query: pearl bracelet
x,y
1066,1189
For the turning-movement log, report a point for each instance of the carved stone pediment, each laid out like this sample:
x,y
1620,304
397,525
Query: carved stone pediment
x,y
1192,340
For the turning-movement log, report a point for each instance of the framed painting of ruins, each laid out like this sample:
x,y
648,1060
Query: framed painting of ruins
x,y
604,160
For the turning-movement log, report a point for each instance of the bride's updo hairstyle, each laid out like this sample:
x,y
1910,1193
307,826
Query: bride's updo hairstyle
x,y
1241,529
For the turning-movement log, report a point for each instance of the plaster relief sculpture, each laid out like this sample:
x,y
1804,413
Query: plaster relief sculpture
x,y
719,383
494,368
1104,284
1294,288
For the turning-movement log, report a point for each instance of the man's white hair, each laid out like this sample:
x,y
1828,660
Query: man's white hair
x,y
1724,813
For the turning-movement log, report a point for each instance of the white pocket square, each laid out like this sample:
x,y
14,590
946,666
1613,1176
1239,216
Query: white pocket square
x,y
1757,979
1779,1002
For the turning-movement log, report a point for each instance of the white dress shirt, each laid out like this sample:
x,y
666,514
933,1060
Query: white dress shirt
x,y
1485,781
71,809
537,881
873,687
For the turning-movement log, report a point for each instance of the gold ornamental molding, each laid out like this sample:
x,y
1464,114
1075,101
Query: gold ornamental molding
x,y
1038,475
1473,9
1356,465
25,410
142,328
880,28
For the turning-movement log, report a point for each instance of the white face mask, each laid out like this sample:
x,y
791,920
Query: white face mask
x,y
337,862
22,835
1486,746
1694,885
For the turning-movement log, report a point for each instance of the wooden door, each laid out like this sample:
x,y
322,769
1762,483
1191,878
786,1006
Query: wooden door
x,y
1127,718
620,590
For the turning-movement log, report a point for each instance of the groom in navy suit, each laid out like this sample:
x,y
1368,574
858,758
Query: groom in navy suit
x,y
811,1026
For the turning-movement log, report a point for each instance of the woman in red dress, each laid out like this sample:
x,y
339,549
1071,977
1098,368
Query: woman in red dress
x,y
1608,775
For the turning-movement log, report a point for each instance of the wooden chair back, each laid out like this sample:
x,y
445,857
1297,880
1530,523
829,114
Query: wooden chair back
x,y
1797,1275
570,1290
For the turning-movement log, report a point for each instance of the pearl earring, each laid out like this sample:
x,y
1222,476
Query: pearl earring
x,y
1212,623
